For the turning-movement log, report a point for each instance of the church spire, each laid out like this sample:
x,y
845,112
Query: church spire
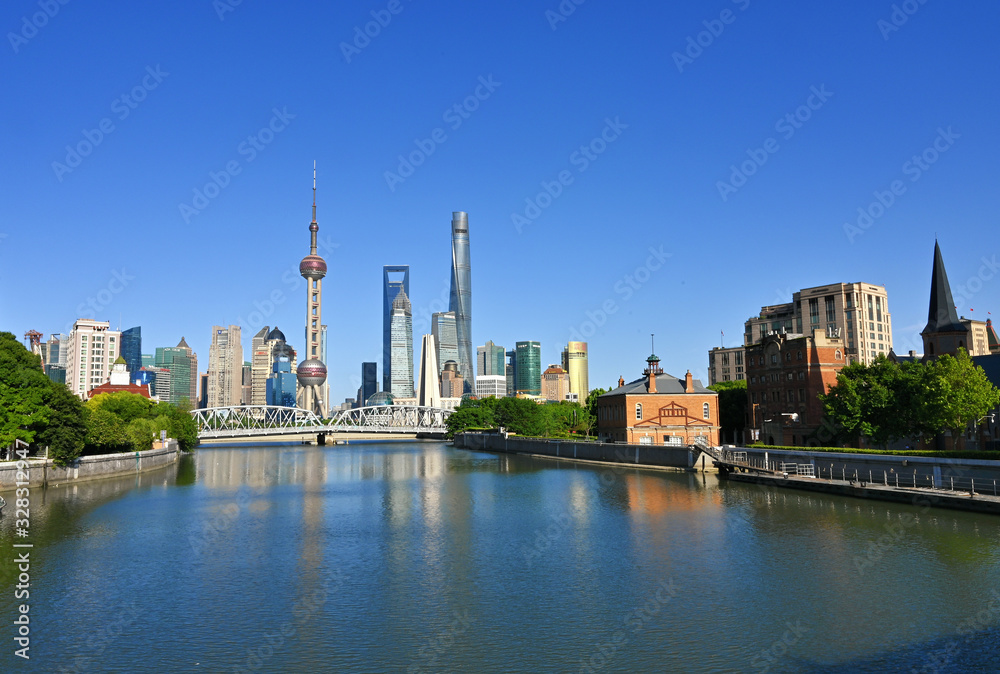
x,y
941,313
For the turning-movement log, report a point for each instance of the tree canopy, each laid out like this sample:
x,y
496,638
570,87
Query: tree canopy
x,y
883,401
732,406
521,416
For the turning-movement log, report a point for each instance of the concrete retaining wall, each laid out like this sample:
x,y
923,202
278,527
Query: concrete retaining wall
x,y
883,467
42,471
642,455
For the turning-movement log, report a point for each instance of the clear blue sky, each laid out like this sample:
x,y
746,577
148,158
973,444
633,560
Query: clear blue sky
x,y
64,235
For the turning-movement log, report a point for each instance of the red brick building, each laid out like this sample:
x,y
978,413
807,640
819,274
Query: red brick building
x,y
659,409
785,376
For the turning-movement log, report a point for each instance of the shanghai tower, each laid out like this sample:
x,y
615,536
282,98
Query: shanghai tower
x,y
461,295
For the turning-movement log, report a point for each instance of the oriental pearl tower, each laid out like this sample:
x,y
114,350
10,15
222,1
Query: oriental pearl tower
x,y
311,371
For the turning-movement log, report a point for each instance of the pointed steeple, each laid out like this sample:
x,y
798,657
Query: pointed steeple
x,y
182,344
941,314
991,337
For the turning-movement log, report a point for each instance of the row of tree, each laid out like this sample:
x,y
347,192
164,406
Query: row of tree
x,y
523,417
36,410
885,401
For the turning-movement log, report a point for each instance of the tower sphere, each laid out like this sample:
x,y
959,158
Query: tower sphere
x,y
311,373
312,267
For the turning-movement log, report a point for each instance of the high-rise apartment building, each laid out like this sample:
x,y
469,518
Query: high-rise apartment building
x,y
91,351
445,337
575,362
857,312
555,383
401,347
461,294
132,348
260,367
491,386
225,367
529,368
490,359
395,279
726,364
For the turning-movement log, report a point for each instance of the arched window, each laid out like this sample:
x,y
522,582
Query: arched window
x,y
800,355
704,410
638,411
838,355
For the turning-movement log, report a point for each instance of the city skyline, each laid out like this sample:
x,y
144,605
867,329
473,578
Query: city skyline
x,y
622,175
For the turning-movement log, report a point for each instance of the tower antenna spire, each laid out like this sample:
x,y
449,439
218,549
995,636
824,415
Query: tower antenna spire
x,y
314,190
652,342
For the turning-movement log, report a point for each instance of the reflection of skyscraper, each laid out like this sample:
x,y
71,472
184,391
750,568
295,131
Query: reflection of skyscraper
x,y
445,338
391,286
131,349
529,368
461,294
401,347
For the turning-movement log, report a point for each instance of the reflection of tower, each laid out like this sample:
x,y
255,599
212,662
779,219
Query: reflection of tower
x,y
461,295
312,371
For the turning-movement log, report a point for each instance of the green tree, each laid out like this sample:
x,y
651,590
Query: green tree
x,y
471,414
106,432
66,431
24,389
183,427
872,401
140,434
732,406
519,415
126,406
960,393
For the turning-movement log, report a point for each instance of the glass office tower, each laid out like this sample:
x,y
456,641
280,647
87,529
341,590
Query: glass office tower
x,y
461,295
394,279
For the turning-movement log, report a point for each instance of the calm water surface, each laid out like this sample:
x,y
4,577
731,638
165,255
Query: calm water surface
x,y
422,558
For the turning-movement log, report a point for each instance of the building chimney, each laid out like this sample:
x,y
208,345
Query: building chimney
x,y
621,381
688,382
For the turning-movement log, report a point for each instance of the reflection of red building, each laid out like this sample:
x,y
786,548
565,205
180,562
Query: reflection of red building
x,y
785,375
659,409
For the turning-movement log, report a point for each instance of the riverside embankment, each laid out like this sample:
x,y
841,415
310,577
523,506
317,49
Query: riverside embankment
x,y
653,456
41,472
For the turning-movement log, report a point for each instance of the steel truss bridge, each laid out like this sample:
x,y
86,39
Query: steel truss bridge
x,y
268,420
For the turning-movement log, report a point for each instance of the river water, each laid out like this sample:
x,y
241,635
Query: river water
x,y
377,557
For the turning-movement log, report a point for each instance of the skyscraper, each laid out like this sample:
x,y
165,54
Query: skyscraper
x,y
461,295
429,390
92,350
574,361
260,367
369,382
132,348
401,347
177,359
490,359
510,373
312,372
445,338
529,368
391,286
225,368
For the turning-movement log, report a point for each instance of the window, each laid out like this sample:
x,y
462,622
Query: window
x,y
725,359
762,360
802,395
753,380
838,355
802,376
831,309
704,411
800,355
788,357
814,310
753,398
790,375
774,359
638,411
739,357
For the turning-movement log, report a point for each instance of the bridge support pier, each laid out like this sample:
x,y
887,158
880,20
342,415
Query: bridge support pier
x,y
321,439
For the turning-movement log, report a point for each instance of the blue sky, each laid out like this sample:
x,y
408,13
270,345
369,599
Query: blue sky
x,y
643,235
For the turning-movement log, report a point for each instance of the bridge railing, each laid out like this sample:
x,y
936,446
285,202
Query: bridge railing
x,y
253,420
